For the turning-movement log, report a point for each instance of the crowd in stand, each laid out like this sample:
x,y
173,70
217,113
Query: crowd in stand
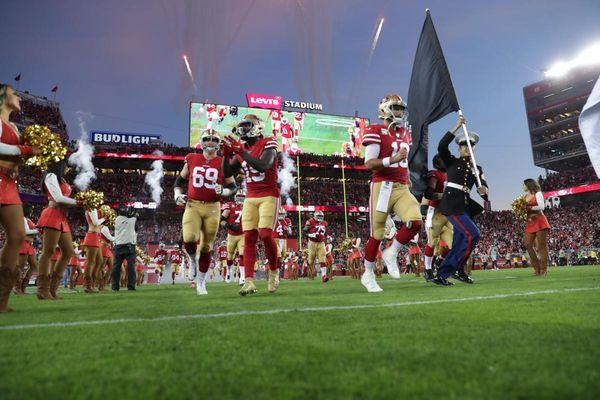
x,y
567,179
42,114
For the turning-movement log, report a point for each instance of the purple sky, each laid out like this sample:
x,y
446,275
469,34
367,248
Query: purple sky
x,y
121,60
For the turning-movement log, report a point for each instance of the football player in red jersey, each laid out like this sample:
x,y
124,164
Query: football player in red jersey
x,y
386,155
437,225
160,259
232,220
175,258
329,257
207,184
315,229
257,157
275,116
283,229
287,135
222,257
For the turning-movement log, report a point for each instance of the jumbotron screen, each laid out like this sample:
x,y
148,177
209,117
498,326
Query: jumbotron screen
x,y
297,132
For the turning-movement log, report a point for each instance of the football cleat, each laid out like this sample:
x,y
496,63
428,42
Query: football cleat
x,y
248,288
462,276
428,275
369,282
201,287
390,258
273,281
325,279
442,281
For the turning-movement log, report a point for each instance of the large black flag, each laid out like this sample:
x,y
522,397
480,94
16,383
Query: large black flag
x,y
430,97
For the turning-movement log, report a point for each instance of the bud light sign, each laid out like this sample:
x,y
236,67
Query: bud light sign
x,y
122,138
264,101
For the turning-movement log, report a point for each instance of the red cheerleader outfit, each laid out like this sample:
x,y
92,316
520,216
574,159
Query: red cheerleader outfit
x,y
30,230
536,220
107,240
10,144
55,255
54,216
93,218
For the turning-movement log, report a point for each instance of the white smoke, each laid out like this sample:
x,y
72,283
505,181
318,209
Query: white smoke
x,y
154,178
82,158
286,179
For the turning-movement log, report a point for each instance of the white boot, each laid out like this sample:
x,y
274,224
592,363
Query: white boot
x,y
369,282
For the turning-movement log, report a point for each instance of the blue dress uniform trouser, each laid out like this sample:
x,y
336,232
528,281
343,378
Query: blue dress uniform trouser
x,y
465,238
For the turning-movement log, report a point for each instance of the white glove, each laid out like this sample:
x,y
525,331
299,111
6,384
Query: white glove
x,y
180,199
218,189
312,235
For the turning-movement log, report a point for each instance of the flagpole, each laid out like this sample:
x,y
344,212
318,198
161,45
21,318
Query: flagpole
x,y
299,205
475,170
345,200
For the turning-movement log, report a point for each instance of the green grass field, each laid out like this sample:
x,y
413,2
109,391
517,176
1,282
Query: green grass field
x,y
510,335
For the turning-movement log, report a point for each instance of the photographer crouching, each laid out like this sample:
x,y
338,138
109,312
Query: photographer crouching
x,y
125,240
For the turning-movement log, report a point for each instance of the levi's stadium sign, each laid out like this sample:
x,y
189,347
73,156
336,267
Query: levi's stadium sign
x,y
269,102
264,101
103,137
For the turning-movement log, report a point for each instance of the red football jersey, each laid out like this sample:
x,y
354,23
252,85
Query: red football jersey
x,y
389,143
235,217
440,184
204,176
275,115
160,257
281,228
222,253
317,227
261,184
298,116
176,257
286,131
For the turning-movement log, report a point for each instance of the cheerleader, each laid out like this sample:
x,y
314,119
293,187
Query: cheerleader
x,y
26,256
107,257
75,267
536,229
56,231
11,210
93,250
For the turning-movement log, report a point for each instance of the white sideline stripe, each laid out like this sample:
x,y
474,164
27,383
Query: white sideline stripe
x,y
287,310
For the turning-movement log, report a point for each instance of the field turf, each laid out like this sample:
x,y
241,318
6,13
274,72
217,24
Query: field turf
x,y
508,336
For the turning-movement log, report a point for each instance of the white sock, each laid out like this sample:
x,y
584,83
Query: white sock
x,y
428,262
242,272
396,245
369,265
201,276
323,271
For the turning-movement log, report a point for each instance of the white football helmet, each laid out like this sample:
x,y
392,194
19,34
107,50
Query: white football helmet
x,y
240,196
210,140
251,126
284,120
282,213
393,108
176,247
319,216
161,246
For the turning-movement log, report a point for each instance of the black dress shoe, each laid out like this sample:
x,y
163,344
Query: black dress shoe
x,y
130,288
428,275
442,281
462,276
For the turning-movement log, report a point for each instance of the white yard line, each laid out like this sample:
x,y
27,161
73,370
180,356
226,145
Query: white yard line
x,y
288,310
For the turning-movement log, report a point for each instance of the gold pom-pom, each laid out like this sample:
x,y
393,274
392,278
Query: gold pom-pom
x,y
519,208
51,148
90,199
140,253
109,214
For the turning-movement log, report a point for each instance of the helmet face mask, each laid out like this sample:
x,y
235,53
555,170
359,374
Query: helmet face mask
x,y
210,140
240,197
282,213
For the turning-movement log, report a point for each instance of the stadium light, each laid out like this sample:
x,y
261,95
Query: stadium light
x,y
589,56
